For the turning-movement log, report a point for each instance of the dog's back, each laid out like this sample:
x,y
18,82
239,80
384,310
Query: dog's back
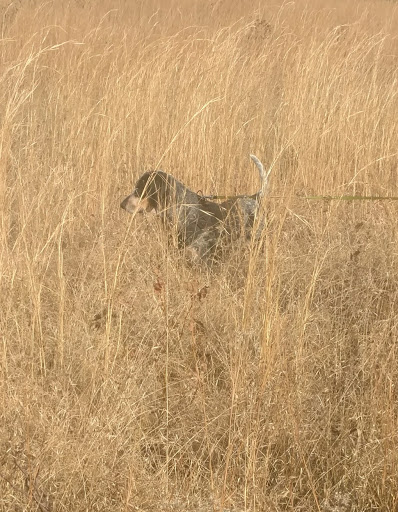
x,y
238,217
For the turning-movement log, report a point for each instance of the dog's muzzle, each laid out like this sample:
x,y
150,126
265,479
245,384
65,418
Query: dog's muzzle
x,y
134,204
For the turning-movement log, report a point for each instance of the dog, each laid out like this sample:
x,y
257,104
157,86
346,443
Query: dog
x,y
203,226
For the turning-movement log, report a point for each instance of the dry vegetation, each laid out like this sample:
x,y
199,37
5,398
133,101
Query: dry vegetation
x,y
130,381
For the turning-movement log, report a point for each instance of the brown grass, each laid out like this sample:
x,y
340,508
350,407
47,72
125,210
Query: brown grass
x,y
130,381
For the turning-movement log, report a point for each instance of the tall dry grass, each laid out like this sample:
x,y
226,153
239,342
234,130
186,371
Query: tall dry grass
x,y
130,381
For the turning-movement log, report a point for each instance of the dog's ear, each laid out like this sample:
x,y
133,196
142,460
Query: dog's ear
x,y
143,185
162,188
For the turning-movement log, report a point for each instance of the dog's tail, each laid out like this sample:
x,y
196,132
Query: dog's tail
x,y
263,177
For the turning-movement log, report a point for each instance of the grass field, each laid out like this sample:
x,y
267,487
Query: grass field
x,y
132,382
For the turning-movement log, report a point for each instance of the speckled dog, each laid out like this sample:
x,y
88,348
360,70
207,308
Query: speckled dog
x,y
203,226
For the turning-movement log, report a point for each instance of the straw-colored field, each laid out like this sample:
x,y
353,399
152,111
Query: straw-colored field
x,y
130,381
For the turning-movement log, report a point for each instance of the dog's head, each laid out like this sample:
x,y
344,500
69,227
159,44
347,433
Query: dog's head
x,y
150,193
